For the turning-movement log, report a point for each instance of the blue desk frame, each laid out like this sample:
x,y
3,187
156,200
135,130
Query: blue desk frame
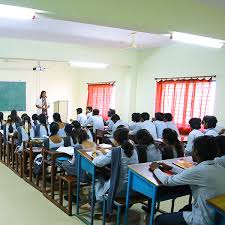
x,y
86,165
139,184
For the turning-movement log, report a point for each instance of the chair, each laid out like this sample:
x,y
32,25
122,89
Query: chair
x,y
121,203
49,159
28,156
10,151
70,181
99,135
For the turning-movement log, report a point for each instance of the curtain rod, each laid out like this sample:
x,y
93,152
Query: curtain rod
x,y
180,78
110,82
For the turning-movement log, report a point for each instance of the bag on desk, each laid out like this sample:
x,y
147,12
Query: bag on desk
x,y
38,161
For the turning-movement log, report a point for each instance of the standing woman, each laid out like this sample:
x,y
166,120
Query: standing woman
x,y
42,104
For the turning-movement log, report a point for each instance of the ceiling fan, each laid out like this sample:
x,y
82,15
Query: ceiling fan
x,y
133,44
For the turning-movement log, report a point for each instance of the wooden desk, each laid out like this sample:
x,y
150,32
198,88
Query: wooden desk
x,y
218,204
49,159
141,180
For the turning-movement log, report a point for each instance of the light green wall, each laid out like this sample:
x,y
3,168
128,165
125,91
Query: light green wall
x,y
179,60
43,50
63,82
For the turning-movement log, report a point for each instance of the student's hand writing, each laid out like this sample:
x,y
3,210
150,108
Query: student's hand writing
x,y
165,167
153,166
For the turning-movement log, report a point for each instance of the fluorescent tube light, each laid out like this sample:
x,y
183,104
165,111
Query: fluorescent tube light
x,y
197,40
90,65
15,12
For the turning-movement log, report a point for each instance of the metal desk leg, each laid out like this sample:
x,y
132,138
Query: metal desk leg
x,y
78,181
128,197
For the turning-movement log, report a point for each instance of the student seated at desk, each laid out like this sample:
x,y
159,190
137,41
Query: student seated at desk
x,y
110,123
55,141
205,180
34,121
146,148
173,147
81,118
135,125
128,156
25,132
89,111
220,158
195,125
96,121
117,122
2,121
159,124
57,119
209,123
15,118
70,139
77,126
148,125
168,119
42,129
83,142
70,166
9,128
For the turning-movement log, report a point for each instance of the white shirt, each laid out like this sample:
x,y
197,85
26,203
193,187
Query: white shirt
x,y
211,132
39,103
89,115
220,161
160,126
110,124
134,127
96,121
81,118
150,127
173,126
206,181
117,124
190,141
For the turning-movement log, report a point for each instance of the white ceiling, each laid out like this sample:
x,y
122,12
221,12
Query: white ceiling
x,y
46,29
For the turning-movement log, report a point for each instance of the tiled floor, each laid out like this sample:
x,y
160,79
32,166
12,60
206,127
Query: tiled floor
x,y
21,204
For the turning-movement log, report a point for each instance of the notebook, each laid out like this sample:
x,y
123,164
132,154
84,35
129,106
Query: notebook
x,y
67,150
184,164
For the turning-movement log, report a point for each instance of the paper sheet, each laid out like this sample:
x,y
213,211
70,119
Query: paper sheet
x,y
67,150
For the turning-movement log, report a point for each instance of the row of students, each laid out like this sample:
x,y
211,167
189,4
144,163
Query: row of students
x,y
209,123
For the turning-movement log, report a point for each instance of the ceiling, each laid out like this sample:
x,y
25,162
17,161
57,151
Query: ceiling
x,y
150,16
46,29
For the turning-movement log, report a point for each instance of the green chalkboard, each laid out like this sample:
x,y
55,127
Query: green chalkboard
x,y
12,96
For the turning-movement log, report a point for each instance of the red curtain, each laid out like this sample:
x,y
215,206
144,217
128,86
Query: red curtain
x,y
184,99
99,97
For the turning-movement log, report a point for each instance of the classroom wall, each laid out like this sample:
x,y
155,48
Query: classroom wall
x,y
63,82
60,76
58,80
179,60
125,87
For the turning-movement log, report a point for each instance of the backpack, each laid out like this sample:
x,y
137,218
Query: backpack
x,y
38,162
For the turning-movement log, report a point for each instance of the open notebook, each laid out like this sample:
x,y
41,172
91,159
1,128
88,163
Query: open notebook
x,y
99,153
67,150
184,164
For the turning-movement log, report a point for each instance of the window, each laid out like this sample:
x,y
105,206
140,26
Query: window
x,y
100,96
185,98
